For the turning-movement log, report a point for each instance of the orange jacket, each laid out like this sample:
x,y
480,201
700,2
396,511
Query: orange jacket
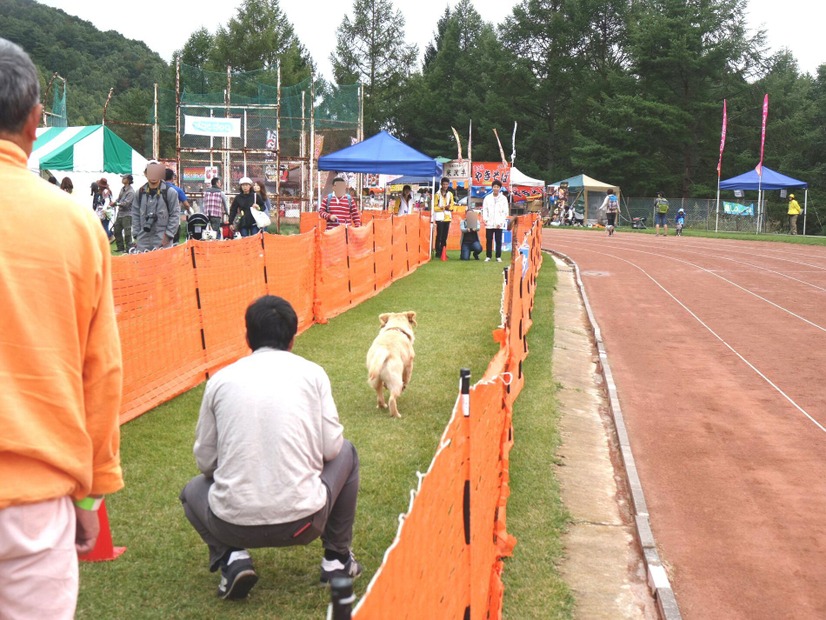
x,y
60,361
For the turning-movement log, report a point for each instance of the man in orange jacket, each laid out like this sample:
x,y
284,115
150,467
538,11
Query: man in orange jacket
x,y
60,369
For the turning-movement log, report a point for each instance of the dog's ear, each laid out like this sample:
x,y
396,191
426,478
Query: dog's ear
x,y
411,318
383,318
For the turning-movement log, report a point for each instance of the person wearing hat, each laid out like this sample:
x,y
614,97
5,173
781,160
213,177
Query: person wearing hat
x,y
156,212
123,217
794,211
240,211
680,222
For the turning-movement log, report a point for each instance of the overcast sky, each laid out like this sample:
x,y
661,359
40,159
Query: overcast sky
x,y
795,24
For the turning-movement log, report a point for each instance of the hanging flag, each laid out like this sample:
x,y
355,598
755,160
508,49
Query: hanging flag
x,y
763,134
501,150
458,143
469,139
722,140
513,149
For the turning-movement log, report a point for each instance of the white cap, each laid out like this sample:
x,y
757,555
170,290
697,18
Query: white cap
x,y
246,180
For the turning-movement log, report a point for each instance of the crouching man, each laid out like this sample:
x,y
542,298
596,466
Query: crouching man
x,y
276,470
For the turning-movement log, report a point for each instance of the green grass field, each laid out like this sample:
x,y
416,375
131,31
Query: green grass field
x,y
163,573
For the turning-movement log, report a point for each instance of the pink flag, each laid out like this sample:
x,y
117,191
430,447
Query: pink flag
x,y
722,139
763,135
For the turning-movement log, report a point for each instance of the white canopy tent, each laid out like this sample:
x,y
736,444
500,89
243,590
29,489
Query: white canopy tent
x,y
519,178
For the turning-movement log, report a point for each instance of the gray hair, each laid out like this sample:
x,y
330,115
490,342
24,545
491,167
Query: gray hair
x,y
19,87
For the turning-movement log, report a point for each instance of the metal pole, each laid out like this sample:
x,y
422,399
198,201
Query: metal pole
x,y
805,208
717,218
760,202
245,143
178,117
303,153
278,151
227,143
360,137
312,136
156,129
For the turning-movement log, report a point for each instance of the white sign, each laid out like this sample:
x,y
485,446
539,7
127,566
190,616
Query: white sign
x,y
457,170
210,173
214,127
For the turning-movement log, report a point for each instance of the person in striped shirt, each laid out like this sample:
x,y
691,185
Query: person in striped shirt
x,y
214,205
338,207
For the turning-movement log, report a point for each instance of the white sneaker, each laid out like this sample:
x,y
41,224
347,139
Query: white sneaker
x,y
487,260
498,260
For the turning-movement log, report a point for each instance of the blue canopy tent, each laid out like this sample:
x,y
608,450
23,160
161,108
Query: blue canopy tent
x,y
770,180
381,154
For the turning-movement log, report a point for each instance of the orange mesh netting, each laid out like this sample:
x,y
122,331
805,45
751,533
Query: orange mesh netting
x,y
151,291
332,274
362,263
458,514
401,249
290,263
309,221
425,572
422,222
199,293
229,277
383,242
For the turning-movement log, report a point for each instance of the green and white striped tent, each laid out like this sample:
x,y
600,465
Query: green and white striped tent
x,y
93,149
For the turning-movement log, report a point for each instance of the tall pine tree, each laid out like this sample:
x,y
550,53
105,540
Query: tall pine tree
x,y
371,49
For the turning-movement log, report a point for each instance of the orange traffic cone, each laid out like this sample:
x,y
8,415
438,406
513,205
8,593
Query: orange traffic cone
x,y
444,253
104,550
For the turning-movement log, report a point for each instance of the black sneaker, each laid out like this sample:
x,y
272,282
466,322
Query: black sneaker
x,y
237,579
331,569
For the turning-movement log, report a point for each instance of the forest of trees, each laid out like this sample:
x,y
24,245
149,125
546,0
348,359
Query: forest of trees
x,y
628,91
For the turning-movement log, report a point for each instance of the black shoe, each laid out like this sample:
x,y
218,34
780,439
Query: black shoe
x,y
237,579
330,569
475,257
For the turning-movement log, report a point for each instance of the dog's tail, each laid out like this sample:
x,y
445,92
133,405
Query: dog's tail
x,y
377,358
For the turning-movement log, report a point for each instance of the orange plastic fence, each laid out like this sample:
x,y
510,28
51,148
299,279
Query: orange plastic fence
x,y
447,558
196,295
384,248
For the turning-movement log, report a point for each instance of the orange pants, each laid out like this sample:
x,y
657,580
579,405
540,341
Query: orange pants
x,y
38,561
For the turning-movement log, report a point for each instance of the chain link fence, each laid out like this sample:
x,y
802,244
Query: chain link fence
x,y
701,214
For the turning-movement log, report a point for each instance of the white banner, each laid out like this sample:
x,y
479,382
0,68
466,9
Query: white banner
x,y
210,126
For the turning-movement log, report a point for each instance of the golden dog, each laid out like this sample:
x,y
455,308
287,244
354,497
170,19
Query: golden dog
x,y
390,358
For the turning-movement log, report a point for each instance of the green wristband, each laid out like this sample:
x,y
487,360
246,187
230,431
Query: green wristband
x,y
89,503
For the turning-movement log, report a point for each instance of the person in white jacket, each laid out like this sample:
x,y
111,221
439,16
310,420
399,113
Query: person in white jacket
x,y
495,211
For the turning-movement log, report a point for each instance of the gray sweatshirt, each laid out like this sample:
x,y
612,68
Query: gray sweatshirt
x,y
267,425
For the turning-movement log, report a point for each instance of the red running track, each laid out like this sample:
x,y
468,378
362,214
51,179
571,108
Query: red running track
x,y
718,350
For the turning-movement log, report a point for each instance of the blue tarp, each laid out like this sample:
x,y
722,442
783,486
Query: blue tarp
x,y
381,154
771,181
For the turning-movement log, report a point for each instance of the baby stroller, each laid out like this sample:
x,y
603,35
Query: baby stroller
x,y
638,222
196,226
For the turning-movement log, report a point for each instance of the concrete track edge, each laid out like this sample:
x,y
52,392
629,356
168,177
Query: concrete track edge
x,y
657,576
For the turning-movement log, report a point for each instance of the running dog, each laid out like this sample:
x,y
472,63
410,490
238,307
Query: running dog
x,y
390,358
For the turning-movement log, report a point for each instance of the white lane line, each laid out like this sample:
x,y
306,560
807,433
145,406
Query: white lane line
x,y
707,246
720,338
739,262
742,288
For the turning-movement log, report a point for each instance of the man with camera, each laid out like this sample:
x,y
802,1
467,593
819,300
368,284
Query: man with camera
x,y
156,211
